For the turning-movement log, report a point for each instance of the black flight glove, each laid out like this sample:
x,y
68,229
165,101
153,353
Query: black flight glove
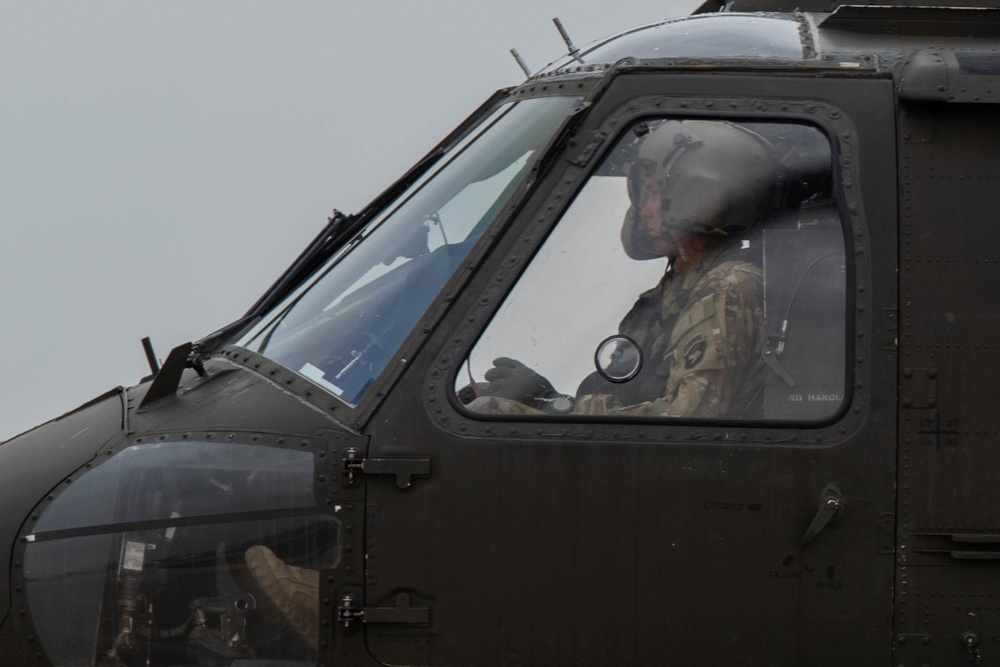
x,y
513,380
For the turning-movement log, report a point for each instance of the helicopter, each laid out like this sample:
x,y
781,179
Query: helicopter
x,y
677,353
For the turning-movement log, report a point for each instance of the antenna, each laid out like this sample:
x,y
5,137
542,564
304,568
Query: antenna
x,y
520,61
569,42
147,345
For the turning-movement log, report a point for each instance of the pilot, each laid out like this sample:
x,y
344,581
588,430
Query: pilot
x,y
696,190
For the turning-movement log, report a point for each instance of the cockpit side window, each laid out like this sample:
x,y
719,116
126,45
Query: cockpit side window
x,y
344,328
161,557
699,274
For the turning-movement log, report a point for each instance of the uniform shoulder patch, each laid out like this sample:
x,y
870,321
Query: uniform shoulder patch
x,y
694,351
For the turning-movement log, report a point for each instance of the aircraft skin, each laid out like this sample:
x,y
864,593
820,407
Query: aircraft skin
x,y
851,519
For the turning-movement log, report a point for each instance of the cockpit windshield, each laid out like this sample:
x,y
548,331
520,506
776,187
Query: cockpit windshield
x,y
342,328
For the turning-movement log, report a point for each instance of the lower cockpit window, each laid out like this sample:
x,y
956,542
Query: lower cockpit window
x,y
208,554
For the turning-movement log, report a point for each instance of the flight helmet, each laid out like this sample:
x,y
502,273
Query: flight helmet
x,y
713,179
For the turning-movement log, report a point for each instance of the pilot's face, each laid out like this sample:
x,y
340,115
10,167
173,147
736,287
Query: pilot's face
x,y
665,240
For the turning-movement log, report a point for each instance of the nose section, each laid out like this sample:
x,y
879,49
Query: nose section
x,y
34,463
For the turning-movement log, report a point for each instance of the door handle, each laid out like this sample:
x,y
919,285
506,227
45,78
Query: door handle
x,y
831,500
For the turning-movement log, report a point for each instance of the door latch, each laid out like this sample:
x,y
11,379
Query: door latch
x,y
348,612
402,613
404,469
831,501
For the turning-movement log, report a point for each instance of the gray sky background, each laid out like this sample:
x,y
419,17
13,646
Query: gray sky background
x,y
162,163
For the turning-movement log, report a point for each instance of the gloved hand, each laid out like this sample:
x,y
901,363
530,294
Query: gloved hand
x,y
513,380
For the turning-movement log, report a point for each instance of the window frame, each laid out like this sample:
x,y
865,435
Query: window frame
x,y
582,224
610,117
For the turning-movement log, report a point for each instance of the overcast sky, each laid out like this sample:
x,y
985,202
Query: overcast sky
x,y
162,163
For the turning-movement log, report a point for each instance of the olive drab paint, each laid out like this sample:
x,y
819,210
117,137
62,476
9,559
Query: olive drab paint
x,y
490,418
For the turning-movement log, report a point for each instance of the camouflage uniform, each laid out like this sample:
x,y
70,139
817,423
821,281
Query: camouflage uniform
x,y
700,334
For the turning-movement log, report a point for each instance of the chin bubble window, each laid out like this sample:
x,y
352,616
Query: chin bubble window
x,y
178,554
700,273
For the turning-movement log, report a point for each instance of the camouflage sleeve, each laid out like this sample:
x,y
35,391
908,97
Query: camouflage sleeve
x,y
715,341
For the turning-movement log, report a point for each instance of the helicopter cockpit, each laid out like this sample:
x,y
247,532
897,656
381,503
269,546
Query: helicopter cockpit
x,y
149,558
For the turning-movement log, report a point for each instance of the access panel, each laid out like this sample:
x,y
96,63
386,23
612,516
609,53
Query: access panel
x,y
949,505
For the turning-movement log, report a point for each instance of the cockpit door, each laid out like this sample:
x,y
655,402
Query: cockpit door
x,y
593,531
